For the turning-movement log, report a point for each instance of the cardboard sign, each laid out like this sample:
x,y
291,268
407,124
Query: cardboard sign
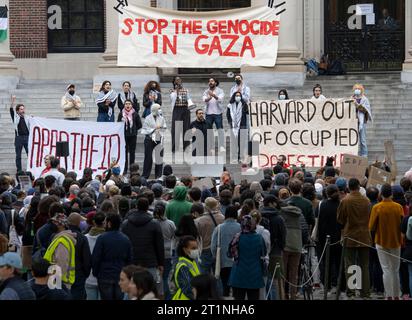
x,y
390,158
353,167
205,183
25,183
378,177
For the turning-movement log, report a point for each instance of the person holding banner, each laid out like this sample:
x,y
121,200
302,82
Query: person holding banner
x,y
71,104
21,130
127,94
151,95
106,100
153,127
132,124
237,112
317,93
364,114
283,94
241,87
181,101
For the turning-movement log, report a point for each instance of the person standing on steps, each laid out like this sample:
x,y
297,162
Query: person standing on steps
x,y
71,104
106,100
21,130
317,93
127,94
151,95
364,114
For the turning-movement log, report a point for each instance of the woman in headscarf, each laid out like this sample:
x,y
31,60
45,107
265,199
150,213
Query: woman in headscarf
x,y
127,94
106,100
237,111
132,124
151,95
248,249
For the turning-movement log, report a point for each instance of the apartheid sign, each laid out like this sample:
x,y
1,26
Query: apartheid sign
x,y
305,131
378,177
91,144
153,37
390,158
353,167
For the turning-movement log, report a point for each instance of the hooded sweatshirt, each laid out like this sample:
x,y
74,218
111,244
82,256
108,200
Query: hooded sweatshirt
x,y
293,218
179,206
146,237
91,238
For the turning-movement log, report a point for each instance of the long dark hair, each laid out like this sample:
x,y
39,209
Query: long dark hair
x,y
206,287
187,227
103,84
144,280
285,92
148,86
232,98
183,242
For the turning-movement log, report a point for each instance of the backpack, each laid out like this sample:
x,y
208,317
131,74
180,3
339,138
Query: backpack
x,y
409,229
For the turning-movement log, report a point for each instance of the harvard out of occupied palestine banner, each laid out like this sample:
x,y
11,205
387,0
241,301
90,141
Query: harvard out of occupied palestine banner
x,y
152,37
91,144
305,131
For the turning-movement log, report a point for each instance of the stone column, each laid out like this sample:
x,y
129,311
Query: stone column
x,y
9,75
289,69
109,70
314,33
407,66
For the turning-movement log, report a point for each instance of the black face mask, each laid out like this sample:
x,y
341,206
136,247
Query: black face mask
x,y
71,92
238,82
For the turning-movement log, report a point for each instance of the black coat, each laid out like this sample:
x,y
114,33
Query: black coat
x,y
407,253
327,221
277,229
201,126
102,108
83,257
146,237
137,125
136,104
147,103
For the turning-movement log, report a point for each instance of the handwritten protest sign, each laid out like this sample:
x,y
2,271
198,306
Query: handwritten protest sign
x,y
305,131
353,167
378,177
390,157
156,37
91,144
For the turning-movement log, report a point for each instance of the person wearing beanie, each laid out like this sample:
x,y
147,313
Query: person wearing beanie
x,y
179,206
206,224
385,222
157,189
71,103
342,185
82,257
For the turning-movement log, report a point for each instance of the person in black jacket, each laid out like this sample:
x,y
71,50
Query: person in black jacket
x,y
127,94
146,237
277,229
151,96
106,100
199,125
112,252
82,258
132,124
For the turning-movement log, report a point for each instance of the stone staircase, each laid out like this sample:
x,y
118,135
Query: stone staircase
x,y
390,99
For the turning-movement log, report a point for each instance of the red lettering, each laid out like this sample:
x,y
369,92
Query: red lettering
x,y
162,24
212,27
44,143
155,44
197,27
36,141
118,145
266,158
313,157
53,140
176,22
275,28
215,45
168,44
227,52
92,150
84,150
247,45
128,23
186,26
204,48
139,25
148,28
102,167
75,135
252,24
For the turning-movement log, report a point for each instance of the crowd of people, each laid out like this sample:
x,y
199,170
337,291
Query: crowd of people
x,y
116,237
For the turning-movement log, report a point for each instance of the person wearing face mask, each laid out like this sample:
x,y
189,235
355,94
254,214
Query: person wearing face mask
x,y
186,268
106,100
21,130
241,87
153,128
364,114
181,101
132,124
213,97
283,95
237,113
71,104
199,126
151,95
127,94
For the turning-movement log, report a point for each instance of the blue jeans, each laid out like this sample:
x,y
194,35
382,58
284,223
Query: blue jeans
x,y
363,148
104,117
19,143
216,119
207,261
166,271
92,292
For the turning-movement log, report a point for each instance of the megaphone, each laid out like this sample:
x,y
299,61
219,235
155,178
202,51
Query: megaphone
x,y
230,74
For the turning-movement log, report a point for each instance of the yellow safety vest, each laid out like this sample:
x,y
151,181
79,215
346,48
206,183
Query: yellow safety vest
x,y
67,277
194,271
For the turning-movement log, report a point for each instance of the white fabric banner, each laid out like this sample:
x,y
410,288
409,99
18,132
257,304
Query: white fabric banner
x,y
91,144
305,131
152,37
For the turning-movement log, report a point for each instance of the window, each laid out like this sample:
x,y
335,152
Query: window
x,y
82,26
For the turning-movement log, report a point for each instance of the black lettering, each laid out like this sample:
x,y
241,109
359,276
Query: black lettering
x,y
340,106
300,109
277,138
301,138
325,135
254,116
308,106
273,108
342,135
353,137
317,138
291,138
328,103
264,105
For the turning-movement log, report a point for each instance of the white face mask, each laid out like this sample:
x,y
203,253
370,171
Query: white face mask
x,y
282,97
358,92
194,254
237,99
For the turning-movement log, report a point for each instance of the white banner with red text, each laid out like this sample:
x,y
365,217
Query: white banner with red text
x,y
153,37
91,144
305,131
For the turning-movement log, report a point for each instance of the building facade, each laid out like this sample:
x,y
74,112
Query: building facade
x,y
83,44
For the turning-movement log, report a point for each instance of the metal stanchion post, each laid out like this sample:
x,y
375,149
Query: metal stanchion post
x,y
341,267
327,264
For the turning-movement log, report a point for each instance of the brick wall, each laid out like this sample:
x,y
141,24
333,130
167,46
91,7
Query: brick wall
x,y
28,28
